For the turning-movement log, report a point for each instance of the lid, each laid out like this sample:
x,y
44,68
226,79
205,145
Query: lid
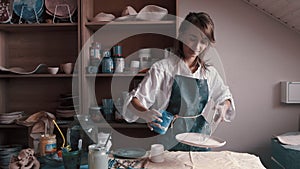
x,y
145,51
117,50
152,13
106,53
95,108
96,44
48,136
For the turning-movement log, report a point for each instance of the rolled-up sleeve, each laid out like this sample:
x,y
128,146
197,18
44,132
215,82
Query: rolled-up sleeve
x,y
145,93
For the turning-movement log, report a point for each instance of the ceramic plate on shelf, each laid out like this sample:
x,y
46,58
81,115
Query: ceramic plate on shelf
x,y
129,153
8,118
5,11
200,140
63,7
40,69
28,10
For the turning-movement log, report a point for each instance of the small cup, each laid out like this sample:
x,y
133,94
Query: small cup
x,y
167,118
67,68
107,103
157,153
53,70
134,66
71,159
95,114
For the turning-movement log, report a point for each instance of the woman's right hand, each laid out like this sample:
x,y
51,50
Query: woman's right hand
x,y
150,116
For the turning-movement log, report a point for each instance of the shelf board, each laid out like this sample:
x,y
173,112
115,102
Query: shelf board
x,y
121,125
103,125
36,76
117,24
39,27
6,126
116,74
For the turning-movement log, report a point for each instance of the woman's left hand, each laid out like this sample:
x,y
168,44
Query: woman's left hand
x,y
222,110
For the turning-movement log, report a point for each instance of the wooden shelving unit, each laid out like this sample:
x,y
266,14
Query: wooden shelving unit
x,y
27,45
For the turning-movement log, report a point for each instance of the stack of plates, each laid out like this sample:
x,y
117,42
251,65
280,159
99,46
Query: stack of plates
x,y
6,152
28,9
66,109
8,118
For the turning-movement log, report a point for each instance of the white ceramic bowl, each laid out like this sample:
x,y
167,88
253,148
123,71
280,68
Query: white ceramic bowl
x,y
53,70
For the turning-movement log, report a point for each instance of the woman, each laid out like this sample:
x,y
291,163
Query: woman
x,y
182,84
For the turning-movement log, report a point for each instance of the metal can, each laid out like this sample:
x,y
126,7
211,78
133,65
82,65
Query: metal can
x,y
97,158
107,63
119,64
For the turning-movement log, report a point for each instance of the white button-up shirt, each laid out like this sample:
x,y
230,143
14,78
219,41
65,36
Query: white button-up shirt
x,y
155,89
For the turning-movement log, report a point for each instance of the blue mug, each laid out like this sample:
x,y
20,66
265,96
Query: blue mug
x,y
167,118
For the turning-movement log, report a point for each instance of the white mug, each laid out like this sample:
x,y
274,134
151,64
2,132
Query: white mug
x,y
98,158
157,153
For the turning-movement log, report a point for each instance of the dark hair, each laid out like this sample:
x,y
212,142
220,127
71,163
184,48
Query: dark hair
x,y
202,21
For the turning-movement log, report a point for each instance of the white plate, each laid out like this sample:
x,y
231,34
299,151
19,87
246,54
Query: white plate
x,y
200,140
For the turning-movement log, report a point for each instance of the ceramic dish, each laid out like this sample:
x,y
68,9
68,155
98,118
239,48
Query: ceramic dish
x,y
5,11
200,140
129,153
61,8
8,118
53,70
65,113
28,9
40,69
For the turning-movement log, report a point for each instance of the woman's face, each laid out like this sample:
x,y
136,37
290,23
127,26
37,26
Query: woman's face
x,y
194,42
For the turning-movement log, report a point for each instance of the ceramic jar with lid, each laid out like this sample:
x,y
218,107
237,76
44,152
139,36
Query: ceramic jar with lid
x,y
47,144
107,62
96,114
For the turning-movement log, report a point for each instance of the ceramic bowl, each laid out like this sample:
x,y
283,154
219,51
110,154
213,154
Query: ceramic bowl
x,y
67,68
53,70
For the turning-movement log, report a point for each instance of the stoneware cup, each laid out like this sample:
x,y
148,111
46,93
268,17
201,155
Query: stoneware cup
x,y
53,70
157,153
67,68
167,118
71,159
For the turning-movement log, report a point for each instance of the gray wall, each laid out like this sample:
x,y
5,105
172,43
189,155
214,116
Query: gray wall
x,y
257,53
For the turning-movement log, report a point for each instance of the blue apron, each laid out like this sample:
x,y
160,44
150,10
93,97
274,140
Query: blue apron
x,y
188,98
